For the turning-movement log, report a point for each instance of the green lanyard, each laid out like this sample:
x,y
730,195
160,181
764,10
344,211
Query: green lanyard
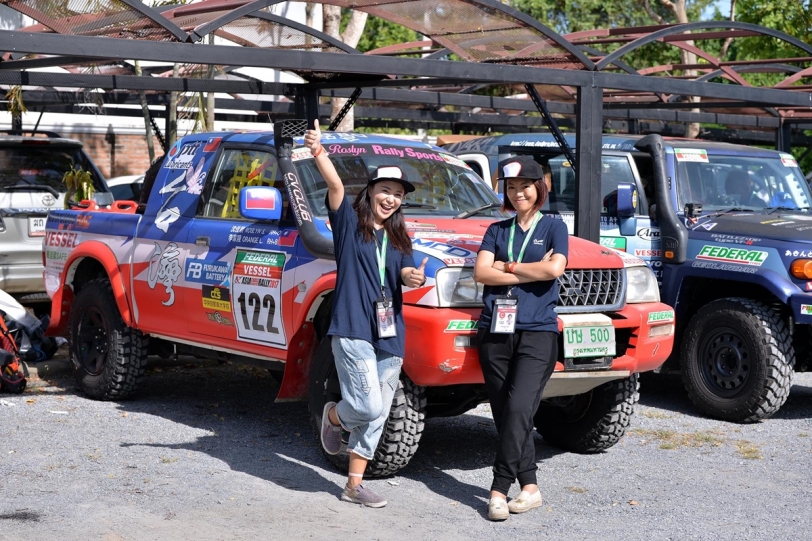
x,y
526,239
381,252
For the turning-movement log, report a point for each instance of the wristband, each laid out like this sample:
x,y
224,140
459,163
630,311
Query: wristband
x,y
509,267
319,152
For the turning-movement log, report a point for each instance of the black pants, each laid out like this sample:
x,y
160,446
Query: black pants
x,y
516,369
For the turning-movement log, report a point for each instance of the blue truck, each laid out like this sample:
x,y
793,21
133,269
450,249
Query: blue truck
x,y
726,228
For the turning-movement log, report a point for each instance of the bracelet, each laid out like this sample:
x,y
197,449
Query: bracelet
x,y
319,152
510,267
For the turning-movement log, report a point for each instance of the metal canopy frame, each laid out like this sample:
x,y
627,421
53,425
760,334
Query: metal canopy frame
x,y
584,75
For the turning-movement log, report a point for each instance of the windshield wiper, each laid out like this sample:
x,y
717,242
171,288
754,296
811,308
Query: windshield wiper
x,y
770,210
30,188
469,213
408,205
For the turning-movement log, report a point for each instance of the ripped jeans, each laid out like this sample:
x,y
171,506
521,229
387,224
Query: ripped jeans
x,y
368,381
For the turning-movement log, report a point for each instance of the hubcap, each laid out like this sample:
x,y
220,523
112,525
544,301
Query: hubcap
x,y
92,341
725,362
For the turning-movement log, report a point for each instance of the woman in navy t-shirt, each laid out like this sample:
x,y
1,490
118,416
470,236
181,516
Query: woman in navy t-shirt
x,y
519,262
373,259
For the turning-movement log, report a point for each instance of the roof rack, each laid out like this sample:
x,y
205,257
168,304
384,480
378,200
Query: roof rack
x,y
49,134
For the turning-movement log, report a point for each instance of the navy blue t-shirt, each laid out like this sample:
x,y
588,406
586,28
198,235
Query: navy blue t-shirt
x,y
358,284
537,300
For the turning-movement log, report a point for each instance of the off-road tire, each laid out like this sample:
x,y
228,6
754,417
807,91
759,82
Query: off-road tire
x,y
590,422
403,429
108,357
737,360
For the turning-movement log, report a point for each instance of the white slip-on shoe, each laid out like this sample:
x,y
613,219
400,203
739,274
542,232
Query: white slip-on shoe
x,y
498,509
525,502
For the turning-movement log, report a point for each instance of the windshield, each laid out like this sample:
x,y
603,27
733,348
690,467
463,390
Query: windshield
x,y
444,185
751,183
40,165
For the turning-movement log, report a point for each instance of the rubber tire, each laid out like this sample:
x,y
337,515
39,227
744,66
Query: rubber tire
x,y
590,422
403,430
120,368
759,334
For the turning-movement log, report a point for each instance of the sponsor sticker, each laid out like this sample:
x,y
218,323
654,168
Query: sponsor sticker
x,y
806,309
788,160
207,272
661,317
691,155
216,298
461,325
220,319
648,233
754,258
616,243
180,157
648,253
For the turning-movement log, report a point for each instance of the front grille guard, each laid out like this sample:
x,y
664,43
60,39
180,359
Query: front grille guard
x,y
591,290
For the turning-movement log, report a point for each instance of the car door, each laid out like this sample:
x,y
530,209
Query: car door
x,y
236,267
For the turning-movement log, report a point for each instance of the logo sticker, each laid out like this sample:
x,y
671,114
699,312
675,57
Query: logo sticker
x,y
180,157
806,309
754,258
691,155
616,243
461,325
207,272
216,298
661,317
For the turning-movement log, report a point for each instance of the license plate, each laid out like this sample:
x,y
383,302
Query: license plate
x,y
588,335
36,226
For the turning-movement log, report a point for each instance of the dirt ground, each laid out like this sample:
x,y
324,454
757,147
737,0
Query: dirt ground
x,y
203,453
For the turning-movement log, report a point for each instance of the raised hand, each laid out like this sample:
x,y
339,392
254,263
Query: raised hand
x,y
312,138
418,276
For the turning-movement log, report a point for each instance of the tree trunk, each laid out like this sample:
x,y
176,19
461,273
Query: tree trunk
x,y
142,96
678,7
351,36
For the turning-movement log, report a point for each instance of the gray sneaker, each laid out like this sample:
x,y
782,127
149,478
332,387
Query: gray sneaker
x,y
362,495
330,433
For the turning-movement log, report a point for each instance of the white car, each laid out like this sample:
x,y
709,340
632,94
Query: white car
x,y
127,187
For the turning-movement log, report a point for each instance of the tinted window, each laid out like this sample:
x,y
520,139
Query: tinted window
x,y
41,164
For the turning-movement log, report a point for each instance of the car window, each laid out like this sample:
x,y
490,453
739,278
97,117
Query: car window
x,y
237,169
45,164
441,186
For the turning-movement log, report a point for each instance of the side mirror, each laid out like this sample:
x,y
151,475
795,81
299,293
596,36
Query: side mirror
x,y
261,203
626,200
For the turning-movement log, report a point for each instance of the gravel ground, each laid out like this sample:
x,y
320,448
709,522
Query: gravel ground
x,y
203,453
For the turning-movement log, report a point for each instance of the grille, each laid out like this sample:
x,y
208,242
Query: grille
x,y
582,290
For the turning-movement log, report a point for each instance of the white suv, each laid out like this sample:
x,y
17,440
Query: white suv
x,y
31,168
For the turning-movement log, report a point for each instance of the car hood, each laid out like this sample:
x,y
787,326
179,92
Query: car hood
x,y
785,225
455,244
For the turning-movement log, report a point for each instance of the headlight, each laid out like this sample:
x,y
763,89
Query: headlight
x,y
641,285
456,287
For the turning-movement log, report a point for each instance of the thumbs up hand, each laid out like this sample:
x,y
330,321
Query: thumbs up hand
x,y
417,277
312,138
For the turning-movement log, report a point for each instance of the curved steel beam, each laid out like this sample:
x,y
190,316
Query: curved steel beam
x,y
157,18
536,25
204,29
681,28
338,44
747,69
800,74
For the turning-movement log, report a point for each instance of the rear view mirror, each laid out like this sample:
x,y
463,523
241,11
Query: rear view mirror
x,y
626,199
261,203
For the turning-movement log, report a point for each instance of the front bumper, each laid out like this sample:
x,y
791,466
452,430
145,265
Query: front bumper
x,y
433,359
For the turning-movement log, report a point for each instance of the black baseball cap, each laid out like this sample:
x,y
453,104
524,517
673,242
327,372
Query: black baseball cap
x,y
390,172
520,167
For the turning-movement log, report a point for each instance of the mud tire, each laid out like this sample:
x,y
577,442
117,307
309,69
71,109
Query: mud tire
x,y
590,422
108,357
737,360
403,429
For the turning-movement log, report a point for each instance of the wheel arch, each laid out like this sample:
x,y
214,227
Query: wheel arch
x,y
88,261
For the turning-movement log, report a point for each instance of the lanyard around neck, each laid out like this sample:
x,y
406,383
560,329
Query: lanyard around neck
x,y
381,253
526,239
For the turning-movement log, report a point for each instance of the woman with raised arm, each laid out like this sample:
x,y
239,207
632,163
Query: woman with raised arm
x,y
373,259
519,262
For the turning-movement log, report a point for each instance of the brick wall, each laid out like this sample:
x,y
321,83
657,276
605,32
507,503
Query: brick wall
x,y
129,155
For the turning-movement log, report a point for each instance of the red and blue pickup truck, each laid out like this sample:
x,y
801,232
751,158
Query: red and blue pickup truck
x,y
232,258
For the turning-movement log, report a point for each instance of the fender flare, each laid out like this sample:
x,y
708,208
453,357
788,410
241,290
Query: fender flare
x,y
63,297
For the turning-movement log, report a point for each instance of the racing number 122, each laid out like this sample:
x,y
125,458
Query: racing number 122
x,y
253,300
